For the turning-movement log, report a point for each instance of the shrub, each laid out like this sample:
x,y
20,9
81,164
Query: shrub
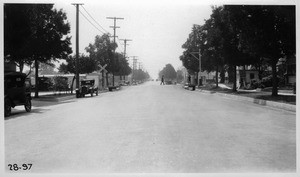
x,y
60,83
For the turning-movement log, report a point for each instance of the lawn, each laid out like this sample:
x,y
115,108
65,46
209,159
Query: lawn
x,y
265,95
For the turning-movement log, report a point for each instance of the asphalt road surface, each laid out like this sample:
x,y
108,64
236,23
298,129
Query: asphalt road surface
x,y
152,128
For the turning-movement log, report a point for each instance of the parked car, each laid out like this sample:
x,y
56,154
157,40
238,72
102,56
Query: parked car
x,y
16,92
87,86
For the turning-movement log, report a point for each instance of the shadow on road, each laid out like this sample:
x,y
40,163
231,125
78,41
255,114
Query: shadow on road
x,y
22,113
38,103
37,108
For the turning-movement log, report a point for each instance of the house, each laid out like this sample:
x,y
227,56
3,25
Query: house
x,y
289,67
246,74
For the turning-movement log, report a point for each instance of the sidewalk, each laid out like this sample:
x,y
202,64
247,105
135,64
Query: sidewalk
x,y
56,96
285,100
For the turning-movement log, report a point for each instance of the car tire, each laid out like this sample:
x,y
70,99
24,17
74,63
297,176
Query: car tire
x,y
27,104
7,108
92,93
97,93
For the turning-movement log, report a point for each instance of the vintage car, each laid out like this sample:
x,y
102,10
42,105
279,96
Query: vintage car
x,y
16,92
87,86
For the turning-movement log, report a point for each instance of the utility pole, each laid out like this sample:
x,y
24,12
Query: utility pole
x,y
113,59
198,58
77,44
125,44
134,61
195,43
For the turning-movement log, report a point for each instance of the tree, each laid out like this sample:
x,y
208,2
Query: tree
x,y
140,75
122,66
45,38
267,32
102,51
231,52
179,75
47,68
85,65
168,72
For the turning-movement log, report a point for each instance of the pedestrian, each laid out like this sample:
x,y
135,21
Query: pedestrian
x,y
162,80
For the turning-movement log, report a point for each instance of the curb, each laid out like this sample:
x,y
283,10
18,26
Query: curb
x,y
284,106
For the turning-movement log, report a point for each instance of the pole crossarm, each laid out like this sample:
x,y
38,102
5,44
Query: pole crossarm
x,y
192,53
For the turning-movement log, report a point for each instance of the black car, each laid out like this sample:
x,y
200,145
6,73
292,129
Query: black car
x,y
16,92
87,86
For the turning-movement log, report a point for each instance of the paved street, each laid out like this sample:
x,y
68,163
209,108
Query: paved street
x,y
152,128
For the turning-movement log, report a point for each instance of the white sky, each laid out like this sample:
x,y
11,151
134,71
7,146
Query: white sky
x,y
157,28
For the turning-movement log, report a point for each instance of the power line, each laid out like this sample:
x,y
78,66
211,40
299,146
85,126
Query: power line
x,y
105,31
94,19
91,22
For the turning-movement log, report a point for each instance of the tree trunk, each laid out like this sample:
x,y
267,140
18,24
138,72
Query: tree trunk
x,y
234,78
21,66
103,80
107,80
275,80
222,75
72,84
260,69
36,90
217,77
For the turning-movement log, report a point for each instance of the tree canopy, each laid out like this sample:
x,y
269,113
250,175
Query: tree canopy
x,y
168,72
102,52
35,33
237,35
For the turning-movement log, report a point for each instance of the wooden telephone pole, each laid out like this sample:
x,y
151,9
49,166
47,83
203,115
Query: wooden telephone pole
x,y
77,43
113,59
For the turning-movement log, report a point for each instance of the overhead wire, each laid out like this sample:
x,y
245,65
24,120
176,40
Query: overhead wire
x,y
105,31
91,22
94,19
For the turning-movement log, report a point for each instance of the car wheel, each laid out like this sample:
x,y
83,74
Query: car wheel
x,y
92,93
7,108
97,93
27,104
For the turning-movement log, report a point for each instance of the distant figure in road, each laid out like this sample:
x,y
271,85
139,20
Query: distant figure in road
x,y
162,80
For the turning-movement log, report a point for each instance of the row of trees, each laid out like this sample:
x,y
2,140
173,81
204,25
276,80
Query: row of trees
x,y
140,75
238,35
99,53
38,33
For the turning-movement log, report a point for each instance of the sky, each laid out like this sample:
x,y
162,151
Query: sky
x,y
157,28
